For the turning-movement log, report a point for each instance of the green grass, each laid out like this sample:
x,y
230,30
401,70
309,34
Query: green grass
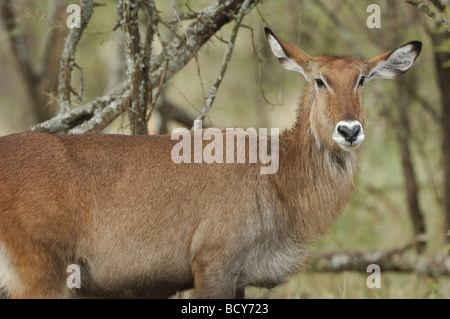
x,y
350,285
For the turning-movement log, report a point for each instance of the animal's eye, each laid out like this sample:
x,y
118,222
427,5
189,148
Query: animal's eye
x,y
320,83
361,81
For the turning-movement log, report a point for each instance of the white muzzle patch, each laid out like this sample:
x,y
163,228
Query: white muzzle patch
x,y
348,134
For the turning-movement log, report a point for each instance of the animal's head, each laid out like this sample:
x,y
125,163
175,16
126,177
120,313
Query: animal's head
x,y
337,85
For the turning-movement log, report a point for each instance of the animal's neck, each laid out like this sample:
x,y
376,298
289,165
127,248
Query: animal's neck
x,y
313,181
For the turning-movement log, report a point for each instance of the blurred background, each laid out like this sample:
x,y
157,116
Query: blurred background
x,y
400,190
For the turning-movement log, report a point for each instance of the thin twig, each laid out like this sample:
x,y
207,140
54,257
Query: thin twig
x,y
260,61
179,21
189,47
158,91
186,99
245,8
154,18
262,17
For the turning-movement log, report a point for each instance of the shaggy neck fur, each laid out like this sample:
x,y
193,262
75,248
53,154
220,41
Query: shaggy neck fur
x,y
314,179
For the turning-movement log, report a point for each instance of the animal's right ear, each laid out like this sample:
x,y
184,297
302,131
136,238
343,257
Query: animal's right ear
x,y
291,57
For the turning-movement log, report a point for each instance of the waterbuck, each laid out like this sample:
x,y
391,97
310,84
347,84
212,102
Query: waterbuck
x,y
136,224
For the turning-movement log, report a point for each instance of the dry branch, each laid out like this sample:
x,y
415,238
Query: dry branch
x,y
137,65
163,64
68,56
91,117
397,260
211,19
431,11
245,8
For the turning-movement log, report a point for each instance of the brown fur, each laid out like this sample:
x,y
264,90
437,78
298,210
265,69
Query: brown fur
x,y
139,225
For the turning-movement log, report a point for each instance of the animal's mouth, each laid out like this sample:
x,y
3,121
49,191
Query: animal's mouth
x,y
350,147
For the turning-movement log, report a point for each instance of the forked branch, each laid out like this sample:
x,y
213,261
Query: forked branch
x,y
162,65
67,61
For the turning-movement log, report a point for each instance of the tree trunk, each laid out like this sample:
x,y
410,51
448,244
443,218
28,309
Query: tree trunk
x,y
404,86
443,75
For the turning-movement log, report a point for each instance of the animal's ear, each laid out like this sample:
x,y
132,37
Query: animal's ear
x,y
291,57
392,64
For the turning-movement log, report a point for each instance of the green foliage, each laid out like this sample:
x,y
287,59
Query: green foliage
x,y
444,47
434,291
16,31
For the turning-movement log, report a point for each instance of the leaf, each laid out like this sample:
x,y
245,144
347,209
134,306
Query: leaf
x,y
14,32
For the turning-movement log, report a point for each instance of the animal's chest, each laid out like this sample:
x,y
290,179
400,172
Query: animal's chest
x,y
271,261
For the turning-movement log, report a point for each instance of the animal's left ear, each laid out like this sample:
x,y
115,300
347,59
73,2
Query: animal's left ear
x,y
391,65
290,57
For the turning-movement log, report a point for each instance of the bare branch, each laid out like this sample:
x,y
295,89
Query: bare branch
x,y
260,61
431,11
68,55
73,119
80,95
164,64
439,4
245,8
189,46
150,10
157,93
180,23
137,66
184,15
103,116
212,18
398,260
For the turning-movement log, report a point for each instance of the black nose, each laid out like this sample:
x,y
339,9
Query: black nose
x,y
350,134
